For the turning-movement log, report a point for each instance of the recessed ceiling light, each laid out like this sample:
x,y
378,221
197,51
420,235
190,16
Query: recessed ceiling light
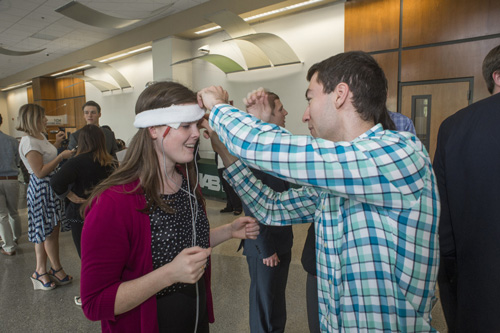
x,y
121,55
271,12
16,86
70,70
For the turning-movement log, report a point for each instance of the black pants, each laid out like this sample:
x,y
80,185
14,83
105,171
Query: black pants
x,y
267,294
76,232
177,311
312,303
233,201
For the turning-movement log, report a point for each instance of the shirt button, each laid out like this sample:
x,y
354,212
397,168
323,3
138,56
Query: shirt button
x,y
330,281
325,245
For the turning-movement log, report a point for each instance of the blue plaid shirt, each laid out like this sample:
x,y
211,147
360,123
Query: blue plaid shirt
x,y
402,122
375,207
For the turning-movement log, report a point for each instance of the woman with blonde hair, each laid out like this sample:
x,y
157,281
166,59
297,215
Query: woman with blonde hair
x,y
45,211
146,241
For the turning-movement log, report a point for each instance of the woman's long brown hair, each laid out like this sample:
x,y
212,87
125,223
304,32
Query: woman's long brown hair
x,y
91,140
141,160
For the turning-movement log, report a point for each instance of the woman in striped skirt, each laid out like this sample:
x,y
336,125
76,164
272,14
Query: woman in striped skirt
x,y
45,211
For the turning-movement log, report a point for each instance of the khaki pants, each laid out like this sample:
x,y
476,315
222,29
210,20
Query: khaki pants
x,y
10,222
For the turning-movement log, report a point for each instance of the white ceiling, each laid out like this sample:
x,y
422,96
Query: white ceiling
x,y
27,25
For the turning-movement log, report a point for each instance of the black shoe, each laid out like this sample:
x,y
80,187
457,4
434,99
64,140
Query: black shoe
x,y
237,212
226,210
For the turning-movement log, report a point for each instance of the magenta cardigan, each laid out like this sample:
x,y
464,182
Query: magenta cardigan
x,y
116,247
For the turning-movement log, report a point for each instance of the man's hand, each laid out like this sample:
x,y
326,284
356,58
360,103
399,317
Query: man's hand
x,y
257,104
59,138
210,96
272,261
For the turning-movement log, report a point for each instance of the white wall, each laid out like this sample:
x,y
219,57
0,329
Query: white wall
x,y
314,36
117,108
10,102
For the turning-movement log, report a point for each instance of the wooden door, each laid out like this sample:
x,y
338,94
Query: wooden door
x,y
436,101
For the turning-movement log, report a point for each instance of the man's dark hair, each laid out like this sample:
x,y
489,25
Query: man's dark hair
x,y
491,64
1,120
92,103
271,97
365,79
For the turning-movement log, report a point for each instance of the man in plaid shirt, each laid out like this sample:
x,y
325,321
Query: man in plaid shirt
x,y
370,192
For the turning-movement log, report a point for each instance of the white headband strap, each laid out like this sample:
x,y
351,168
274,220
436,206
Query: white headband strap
x,y
172,116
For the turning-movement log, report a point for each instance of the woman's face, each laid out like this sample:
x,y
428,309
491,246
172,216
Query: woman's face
x,y
43,123
179,144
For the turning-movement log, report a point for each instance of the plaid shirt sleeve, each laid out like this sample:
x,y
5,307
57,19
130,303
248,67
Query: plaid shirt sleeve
x,y
376,216
383,171
270,207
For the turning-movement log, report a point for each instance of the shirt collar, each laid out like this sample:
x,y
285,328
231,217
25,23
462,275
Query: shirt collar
x,y
371,132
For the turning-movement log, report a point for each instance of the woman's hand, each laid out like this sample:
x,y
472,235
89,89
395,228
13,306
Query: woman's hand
x,y
189,265
67,154
74,198
245,227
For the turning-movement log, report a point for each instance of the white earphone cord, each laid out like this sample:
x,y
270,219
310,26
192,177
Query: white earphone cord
x,y
193,214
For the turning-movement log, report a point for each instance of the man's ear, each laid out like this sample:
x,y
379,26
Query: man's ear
x,y
341,94
496,77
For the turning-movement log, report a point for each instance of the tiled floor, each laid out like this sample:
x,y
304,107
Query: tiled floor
x,y
26,310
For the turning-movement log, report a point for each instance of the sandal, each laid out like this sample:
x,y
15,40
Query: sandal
x,y
78,300
60,282
38,284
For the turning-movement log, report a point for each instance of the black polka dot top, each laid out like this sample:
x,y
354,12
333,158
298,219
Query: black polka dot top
x,y
172,233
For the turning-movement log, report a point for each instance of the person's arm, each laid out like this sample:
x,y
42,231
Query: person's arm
x,y
244,227
446,237
294,206
347,169
73,140
409,127
17,157
63,180
106,250
114,147
59,139
75,198
187,267
35,160
362,169
268,206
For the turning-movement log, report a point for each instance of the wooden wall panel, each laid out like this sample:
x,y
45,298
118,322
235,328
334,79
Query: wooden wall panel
x,y
43,88
432,21
49,106
449,61
78,87
79,120
61,96
389,63
29,91
372,25
64,88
